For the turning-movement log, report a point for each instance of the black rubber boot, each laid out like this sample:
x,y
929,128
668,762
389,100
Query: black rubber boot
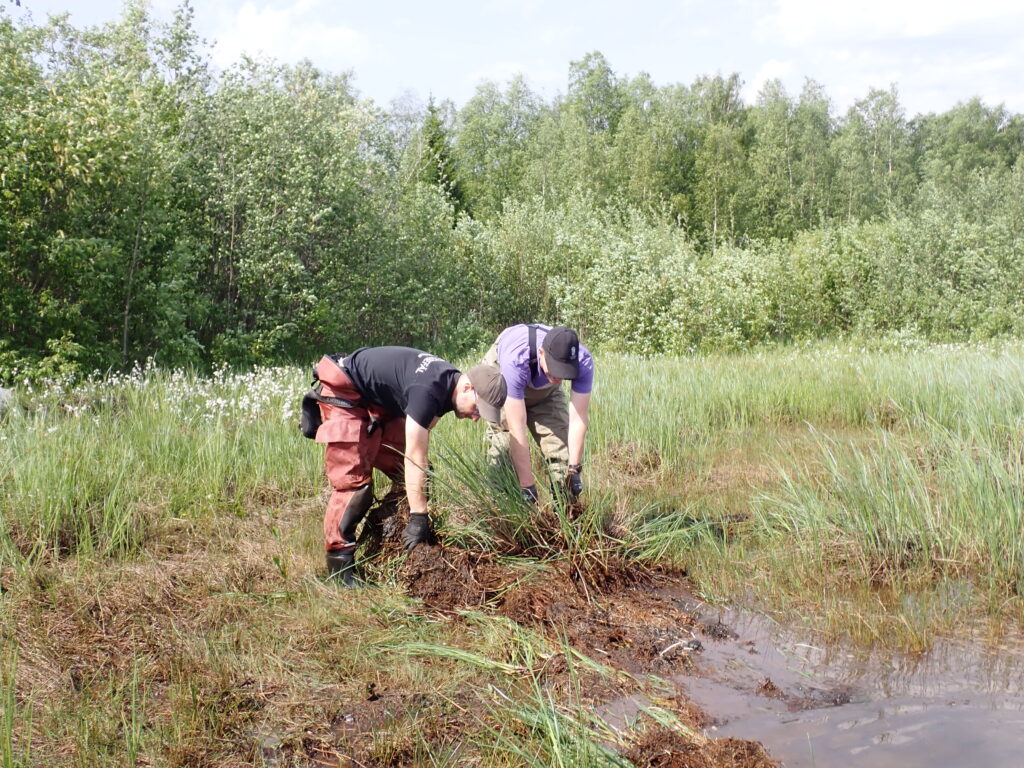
x,y
358,504
341,565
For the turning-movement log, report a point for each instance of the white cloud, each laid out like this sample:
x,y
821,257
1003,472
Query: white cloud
x,y
289,33
526,9
548,80
928,84
995,79
936,51
798,22
770,70
550,35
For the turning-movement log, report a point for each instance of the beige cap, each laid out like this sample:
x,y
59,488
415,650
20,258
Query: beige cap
x,y
490,391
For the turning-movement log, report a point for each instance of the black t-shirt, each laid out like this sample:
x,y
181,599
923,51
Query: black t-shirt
x,y
404,381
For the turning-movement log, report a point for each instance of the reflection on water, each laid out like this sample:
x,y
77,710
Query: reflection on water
x,y
962,703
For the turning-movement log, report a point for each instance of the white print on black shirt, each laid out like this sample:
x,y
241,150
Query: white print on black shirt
x,y
426,360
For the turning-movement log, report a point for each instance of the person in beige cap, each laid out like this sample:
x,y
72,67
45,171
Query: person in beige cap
x,y
378,406
534,360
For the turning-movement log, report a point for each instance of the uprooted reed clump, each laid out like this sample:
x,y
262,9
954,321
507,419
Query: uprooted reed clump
x,y
484,509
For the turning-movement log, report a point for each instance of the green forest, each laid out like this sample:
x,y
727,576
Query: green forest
x,y
152,206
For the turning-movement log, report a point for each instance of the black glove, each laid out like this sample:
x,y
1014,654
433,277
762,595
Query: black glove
x,y
418,530
573,482
575,485
530,494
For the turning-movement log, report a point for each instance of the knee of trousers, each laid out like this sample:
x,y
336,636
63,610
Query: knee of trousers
x,y
345,511
350,465
498,442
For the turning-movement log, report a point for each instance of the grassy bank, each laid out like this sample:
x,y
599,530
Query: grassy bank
x,y
162,594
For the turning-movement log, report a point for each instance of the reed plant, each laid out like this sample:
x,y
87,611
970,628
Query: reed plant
x,y
894,498
483,506
545,733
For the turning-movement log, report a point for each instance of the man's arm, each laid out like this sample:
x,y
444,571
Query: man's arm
x,y
417,443
519,448
579,421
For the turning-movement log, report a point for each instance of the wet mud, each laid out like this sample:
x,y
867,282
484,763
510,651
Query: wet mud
x,y
662,748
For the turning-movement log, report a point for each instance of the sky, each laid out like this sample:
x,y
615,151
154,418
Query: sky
x,y
936,52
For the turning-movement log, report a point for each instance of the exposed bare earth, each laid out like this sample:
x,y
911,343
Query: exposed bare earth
x,y
238,680
618,618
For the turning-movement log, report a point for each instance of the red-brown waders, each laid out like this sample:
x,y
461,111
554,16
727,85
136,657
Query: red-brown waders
x,y
352,454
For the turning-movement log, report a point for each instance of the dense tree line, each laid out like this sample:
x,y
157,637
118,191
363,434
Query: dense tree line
x,y
150,206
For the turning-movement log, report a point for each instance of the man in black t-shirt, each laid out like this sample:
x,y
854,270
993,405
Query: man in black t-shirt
x,y
395,396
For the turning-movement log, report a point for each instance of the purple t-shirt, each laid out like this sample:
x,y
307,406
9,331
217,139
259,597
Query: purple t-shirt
x,y
514,359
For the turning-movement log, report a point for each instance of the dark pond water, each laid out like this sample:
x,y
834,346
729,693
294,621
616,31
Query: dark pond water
x,y
961,704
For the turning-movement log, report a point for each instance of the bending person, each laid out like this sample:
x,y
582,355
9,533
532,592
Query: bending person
x,y
534,360
394,396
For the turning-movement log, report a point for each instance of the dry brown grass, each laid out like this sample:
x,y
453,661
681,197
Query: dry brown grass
x,y
221,632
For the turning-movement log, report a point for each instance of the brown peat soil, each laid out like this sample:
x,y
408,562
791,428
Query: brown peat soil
x,y
614,614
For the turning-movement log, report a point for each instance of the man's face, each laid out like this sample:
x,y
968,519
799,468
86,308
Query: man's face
x,y
465,403
543,361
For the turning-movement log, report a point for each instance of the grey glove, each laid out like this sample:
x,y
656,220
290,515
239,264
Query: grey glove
x,y
419,530
530,494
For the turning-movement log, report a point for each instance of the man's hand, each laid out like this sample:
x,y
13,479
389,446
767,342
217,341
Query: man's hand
x,y
418,531
530,495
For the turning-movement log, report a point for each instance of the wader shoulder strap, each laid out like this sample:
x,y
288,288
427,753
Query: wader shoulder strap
x,y
310,418
340,402
533,352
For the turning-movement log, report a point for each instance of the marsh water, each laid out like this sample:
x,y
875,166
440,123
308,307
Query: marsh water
x,y
960,704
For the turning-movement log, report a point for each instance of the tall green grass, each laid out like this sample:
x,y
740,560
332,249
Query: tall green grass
x,y
900,459
526,722
948,502
100,468
15,717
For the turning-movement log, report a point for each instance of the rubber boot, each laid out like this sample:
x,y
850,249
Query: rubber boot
x,y
341,564
358,504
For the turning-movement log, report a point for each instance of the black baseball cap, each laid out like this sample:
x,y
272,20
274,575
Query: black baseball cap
x,y
561,348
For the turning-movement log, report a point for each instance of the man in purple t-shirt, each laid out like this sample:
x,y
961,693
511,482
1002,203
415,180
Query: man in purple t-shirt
x,y
534,360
